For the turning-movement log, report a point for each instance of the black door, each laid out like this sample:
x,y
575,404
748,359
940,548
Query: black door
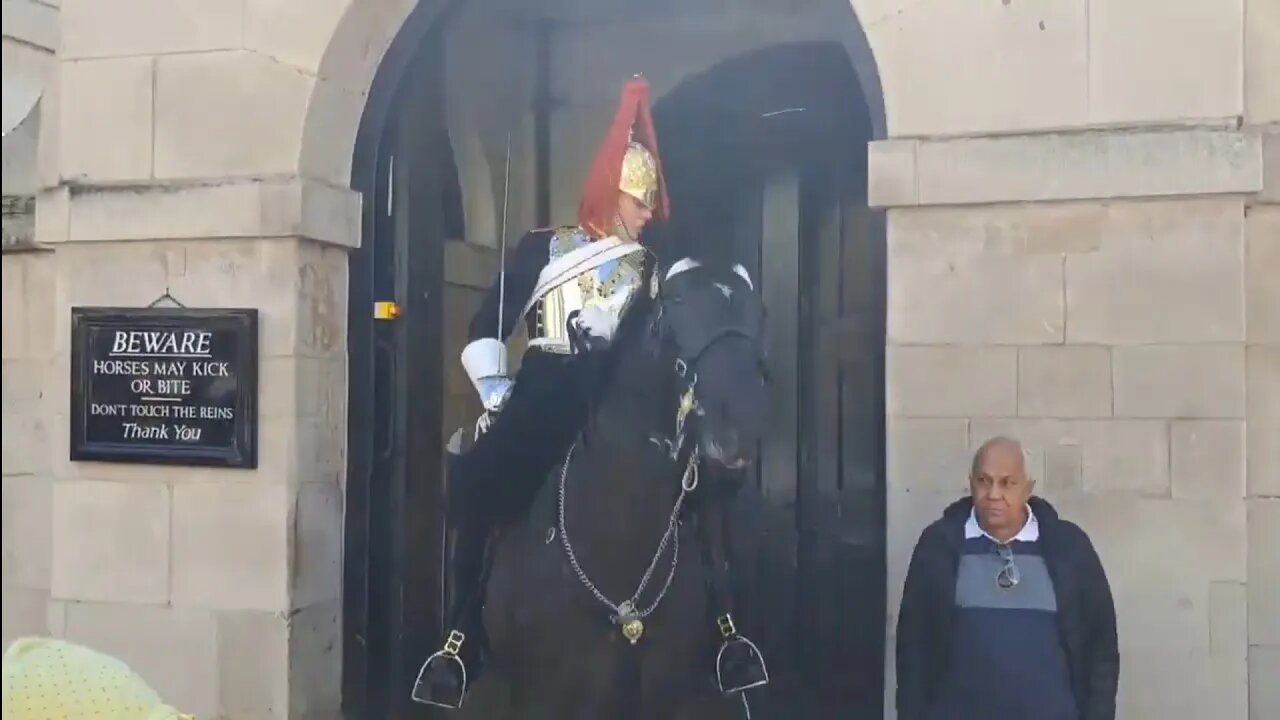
x,y
766,157
393,533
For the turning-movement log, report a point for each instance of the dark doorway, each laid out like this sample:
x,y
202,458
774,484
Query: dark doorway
x,y
405,172
767,160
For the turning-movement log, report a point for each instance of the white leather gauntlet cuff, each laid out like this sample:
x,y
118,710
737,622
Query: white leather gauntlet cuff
x,y
484,358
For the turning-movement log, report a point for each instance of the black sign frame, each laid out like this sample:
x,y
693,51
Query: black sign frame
x,y
242,449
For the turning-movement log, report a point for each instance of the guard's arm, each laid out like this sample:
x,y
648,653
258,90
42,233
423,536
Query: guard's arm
x,y
485,356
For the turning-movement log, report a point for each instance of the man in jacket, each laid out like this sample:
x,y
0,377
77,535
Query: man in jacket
x,y
1006,611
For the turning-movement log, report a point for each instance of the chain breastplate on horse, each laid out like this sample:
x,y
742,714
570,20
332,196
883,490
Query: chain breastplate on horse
x,y
611,286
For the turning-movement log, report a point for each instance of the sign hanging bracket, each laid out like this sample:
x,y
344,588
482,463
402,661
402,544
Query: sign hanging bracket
x,y
166,296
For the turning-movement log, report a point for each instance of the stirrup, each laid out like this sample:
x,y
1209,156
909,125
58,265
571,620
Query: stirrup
x,y
424,692
754,674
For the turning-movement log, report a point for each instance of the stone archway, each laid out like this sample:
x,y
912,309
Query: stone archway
x,y
480,140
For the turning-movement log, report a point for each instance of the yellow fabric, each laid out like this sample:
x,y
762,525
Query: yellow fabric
x,y
48,679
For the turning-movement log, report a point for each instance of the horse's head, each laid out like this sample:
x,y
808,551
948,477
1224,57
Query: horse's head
x,y
709,321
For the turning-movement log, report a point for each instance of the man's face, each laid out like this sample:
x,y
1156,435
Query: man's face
x,y
633,215
1001,488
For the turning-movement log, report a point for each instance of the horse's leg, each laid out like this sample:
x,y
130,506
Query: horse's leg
x,y
739,663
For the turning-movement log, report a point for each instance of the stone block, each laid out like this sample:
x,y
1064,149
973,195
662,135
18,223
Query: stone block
x,y
333,119
1086,165
1262,273
124,274
1262,386
1064,381
1264,571
891,173
230,546
198,135
233,208
1162,578
1167,272
951,381
945,69
1270,166
299,386
56,613
315,661
28,296
1117,457
257,273
1228,619
321,288
948,285
95,29
53,212
930,455
28,515
329,214
1188,685
1158,79
253,665
1264,691
1270,193
175,649
27,445
14,319
111,541
39,286
469,265
48,147
1179,381
1262,70
1207,459
22,613
105,122
293,33
316,544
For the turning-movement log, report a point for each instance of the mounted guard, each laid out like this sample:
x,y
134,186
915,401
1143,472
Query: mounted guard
x,y
571,285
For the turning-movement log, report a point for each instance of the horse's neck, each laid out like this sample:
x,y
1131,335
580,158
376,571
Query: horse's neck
x,y
622,483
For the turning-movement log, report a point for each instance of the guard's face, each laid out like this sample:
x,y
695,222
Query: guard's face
x,y
713,316
633,215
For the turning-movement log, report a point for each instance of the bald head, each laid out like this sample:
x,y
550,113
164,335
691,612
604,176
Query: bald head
x,y
1000,487
1003,444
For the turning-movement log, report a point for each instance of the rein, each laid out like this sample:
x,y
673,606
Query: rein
x,y
628,614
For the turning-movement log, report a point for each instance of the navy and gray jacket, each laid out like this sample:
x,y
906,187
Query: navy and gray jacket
x,y
969,650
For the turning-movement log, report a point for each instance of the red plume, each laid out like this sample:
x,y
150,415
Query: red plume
x,y
633,121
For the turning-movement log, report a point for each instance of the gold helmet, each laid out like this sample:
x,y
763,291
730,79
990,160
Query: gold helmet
x,y
628,161
639,177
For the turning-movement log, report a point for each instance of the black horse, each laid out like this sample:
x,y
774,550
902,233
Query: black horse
x,y
598,601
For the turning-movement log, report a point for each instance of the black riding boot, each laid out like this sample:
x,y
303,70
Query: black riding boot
x,y
446,676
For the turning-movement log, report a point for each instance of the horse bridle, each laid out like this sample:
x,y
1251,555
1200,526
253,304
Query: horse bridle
x,y
687,374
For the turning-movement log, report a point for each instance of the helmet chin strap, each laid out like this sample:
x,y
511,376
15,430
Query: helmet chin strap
x,y
623,232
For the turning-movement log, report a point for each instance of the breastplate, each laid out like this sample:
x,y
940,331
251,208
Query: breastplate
x,y
611,285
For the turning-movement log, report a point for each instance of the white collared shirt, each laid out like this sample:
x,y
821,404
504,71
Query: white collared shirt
x,y
1030,531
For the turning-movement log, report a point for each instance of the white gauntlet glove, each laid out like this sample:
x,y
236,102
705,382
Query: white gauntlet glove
x,y
598,323
485,361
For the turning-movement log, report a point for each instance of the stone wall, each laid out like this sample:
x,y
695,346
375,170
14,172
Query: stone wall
x,y
1082,251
